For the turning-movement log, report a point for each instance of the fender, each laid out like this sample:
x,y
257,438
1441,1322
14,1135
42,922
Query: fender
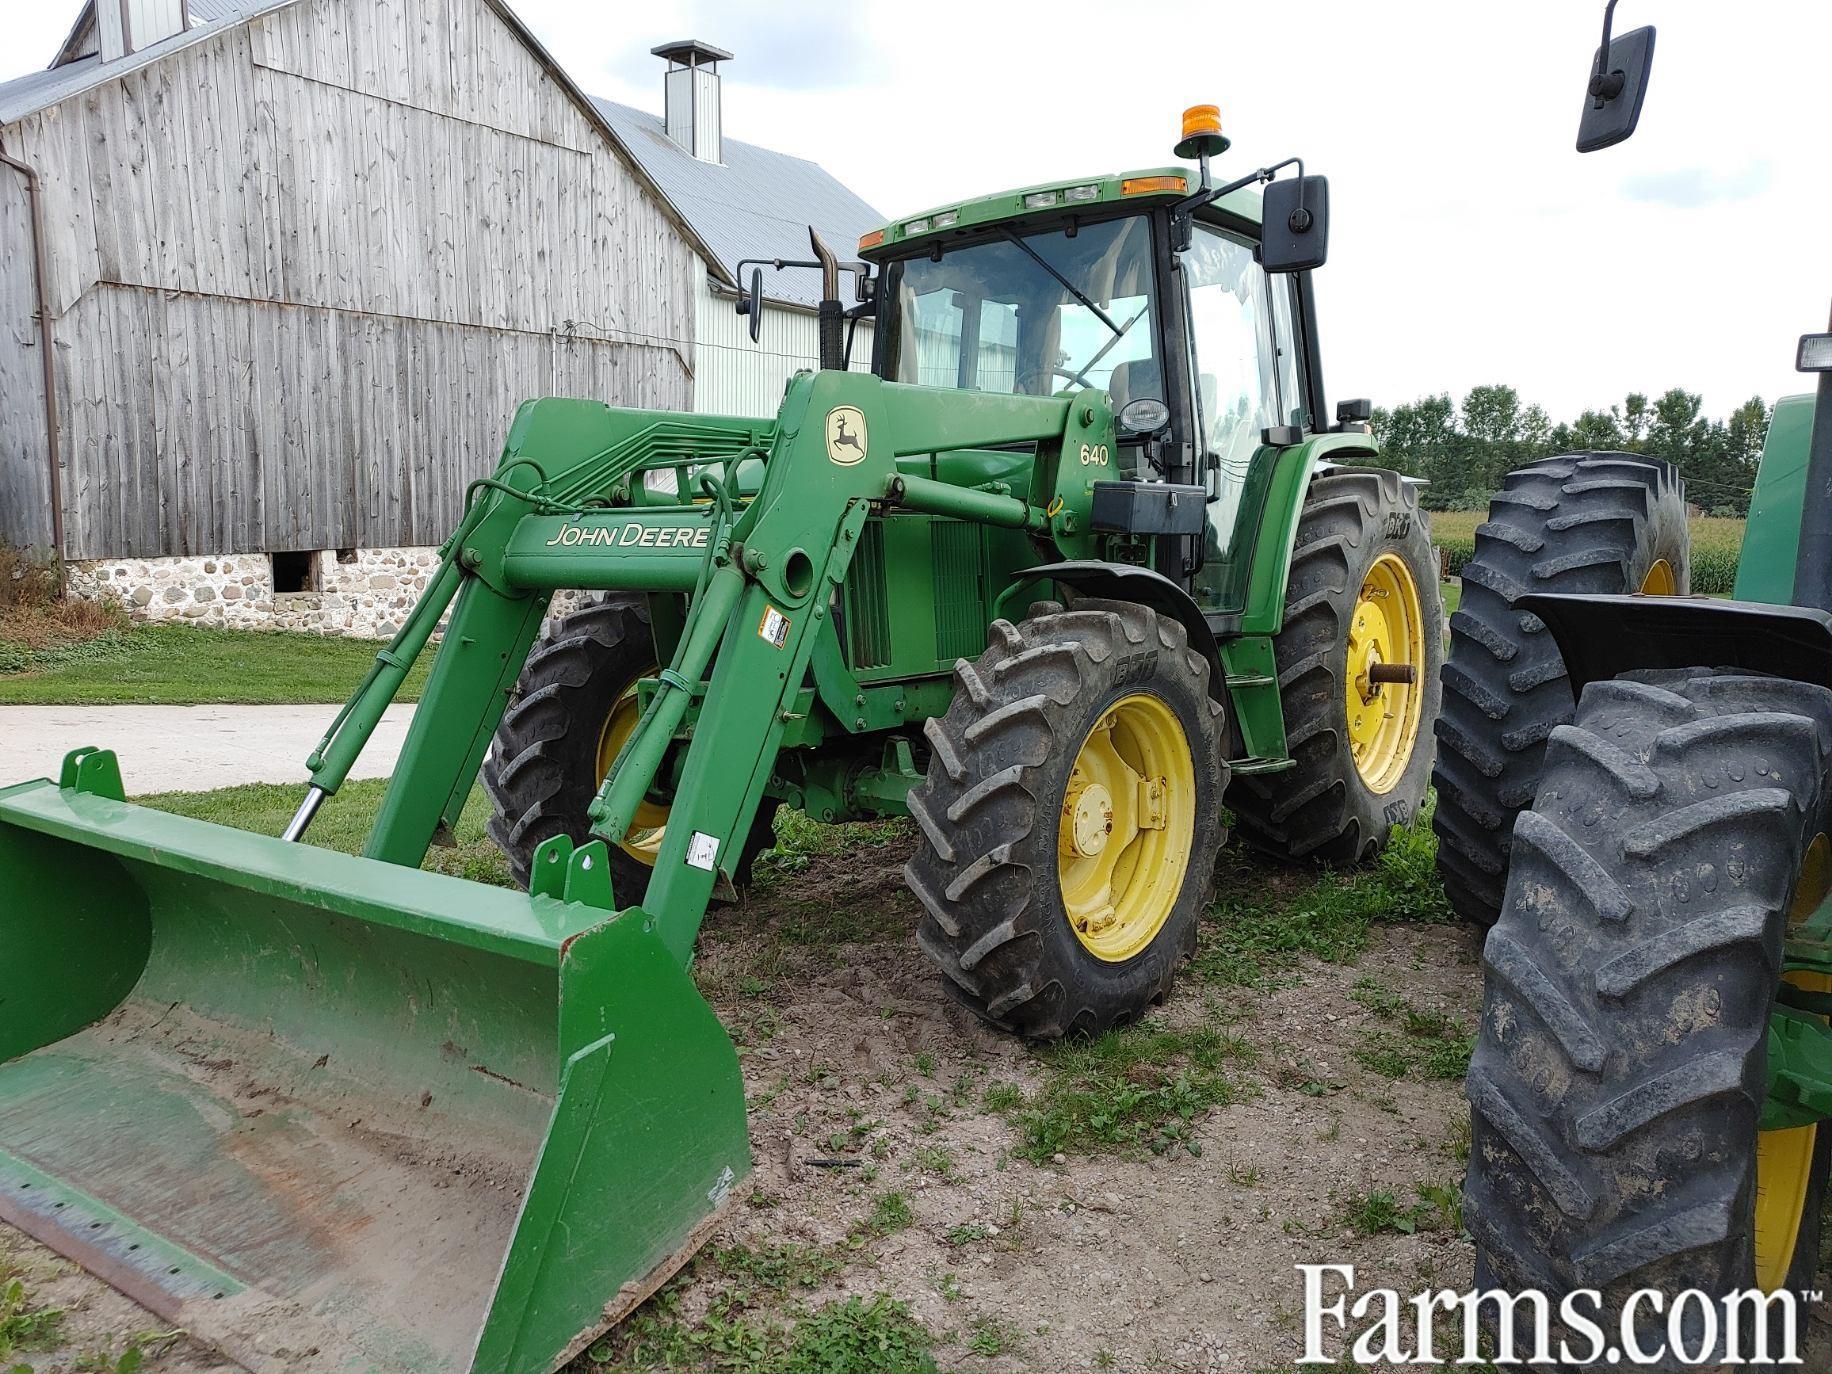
x,y
1602,637
1126,582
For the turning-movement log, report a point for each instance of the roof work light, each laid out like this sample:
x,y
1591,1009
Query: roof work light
x,y
1815,353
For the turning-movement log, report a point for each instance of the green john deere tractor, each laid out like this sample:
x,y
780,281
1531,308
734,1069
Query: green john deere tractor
x,y
1639,787
1077,562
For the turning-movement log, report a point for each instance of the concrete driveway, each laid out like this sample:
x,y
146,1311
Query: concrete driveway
x,y
186,748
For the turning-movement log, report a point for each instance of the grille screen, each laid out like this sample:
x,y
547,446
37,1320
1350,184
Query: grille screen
x,y
960,597
868,629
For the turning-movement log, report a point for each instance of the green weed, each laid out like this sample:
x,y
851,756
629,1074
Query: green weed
x,y
1130,1088
1428,1043
889,1214
1383,1213
1252,940
23,1326
994,1336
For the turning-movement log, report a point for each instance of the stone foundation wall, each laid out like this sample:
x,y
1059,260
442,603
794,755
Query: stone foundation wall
x,y
364,597
364,594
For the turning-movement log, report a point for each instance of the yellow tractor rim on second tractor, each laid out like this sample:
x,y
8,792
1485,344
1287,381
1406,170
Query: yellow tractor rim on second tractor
x,y
1661,580
1784,1159
1127,826
1386,673
644,841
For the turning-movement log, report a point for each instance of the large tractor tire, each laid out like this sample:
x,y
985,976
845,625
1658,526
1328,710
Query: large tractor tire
x,y
1361,601
1069,818
1620,1071
571,713
1587,522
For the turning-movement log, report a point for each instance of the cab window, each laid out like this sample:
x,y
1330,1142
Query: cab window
x,y
1237,370
1039,314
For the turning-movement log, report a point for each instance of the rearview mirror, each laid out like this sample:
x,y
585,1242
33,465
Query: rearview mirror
x,y
1618,84
751,303
1295,233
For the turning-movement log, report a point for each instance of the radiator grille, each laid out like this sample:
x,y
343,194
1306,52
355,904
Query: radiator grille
x,y
960,597
868,627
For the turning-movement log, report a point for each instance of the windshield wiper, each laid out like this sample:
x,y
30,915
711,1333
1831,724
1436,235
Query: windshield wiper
x,y
1081,378
1067,285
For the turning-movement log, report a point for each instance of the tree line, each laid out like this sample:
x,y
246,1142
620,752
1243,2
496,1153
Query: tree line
x,y
1465,450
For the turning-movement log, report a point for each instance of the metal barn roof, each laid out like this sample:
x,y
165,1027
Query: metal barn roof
x,y
756,204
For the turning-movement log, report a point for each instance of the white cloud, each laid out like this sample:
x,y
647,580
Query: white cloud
x,y
1470,242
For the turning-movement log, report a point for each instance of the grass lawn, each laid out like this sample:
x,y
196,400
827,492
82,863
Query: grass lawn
x,y
173,665
343,823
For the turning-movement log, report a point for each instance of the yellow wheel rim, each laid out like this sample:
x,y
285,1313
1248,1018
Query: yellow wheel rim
x,y
644,840
1128,823
1661,580
1386,638
1784,1159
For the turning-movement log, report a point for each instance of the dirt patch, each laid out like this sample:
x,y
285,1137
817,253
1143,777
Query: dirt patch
x,y
98,1327
895,1141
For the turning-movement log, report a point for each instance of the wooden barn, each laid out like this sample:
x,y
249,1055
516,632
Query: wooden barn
x,y
274,275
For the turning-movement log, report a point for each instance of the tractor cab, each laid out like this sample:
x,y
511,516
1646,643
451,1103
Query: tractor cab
x,y
1151,286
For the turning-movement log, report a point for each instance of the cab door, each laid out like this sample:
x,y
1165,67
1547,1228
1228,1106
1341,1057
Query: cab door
x,y
1245,380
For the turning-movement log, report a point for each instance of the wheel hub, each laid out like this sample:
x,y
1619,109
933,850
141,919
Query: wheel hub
x,y
1087,817
1127,827
1385,671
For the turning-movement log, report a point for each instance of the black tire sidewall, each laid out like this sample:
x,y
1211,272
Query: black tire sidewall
x,y
1404,533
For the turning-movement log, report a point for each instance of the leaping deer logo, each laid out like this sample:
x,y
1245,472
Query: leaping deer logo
x,y
846,435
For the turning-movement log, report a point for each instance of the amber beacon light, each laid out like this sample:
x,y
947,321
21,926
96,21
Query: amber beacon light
x,y
1202,136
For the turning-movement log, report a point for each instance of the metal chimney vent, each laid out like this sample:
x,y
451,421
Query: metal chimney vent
x,y
692,92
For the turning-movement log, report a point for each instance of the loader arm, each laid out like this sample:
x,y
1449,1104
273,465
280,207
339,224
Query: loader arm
x,y
762,572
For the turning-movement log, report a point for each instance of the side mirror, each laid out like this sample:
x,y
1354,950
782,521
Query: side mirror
x,y
751,303
1618,84
1295,233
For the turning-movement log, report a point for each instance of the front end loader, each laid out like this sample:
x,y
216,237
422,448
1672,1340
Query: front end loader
x,y
1077,562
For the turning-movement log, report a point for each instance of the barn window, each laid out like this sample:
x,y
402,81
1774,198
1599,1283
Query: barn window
x,y
295,572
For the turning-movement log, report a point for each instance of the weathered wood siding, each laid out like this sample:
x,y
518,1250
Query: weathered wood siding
x,y
25,503
732,375
305,269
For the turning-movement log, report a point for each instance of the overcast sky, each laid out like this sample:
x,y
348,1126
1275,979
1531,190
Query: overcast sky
x,y
1469,241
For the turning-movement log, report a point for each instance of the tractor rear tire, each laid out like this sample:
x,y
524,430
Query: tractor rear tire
x,y
1620,1070
543,769
1586,522
1361,529
1008,815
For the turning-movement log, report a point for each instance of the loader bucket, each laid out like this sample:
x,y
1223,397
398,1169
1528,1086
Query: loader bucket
x,y
327,1113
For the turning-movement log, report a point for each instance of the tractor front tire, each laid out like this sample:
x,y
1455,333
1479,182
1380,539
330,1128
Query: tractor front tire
x,y
1069,819
1586,522
1621,1067
545,765
1363,588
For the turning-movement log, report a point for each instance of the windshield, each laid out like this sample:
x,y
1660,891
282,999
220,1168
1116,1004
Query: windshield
x,y
1035,314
